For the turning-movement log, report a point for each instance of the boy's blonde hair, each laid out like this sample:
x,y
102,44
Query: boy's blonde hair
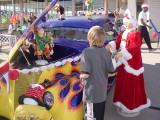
x,y
96,36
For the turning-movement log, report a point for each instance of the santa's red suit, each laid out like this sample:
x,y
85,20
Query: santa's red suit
x,y
129,93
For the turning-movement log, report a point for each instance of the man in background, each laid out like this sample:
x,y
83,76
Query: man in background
x,y
142,25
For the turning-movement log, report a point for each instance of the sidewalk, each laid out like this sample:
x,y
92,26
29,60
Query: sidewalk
x,y
4,51
151,62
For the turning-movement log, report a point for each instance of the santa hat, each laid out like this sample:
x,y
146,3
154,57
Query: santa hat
x,y
144,5
129,18
35,91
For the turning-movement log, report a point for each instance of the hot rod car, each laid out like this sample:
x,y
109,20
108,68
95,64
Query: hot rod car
x,y
64,98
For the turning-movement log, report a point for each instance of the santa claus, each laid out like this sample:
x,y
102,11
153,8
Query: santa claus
x,y
31,104
129,97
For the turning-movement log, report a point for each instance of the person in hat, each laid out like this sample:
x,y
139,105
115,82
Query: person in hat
x,y
129,96
31,104
143,25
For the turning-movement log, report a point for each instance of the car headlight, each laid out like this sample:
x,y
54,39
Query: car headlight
x,y
48,100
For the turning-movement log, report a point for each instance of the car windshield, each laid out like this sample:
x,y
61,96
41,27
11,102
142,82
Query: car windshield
x,y
79,34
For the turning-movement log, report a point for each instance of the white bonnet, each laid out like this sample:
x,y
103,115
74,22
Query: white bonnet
x,y
129,18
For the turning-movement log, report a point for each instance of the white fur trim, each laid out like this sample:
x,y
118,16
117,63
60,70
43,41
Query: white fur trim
x,y
43,68
128,68
113,47
57,64
125,34
41,62
34,69
123,45
114,63
145,5
125,109
126,54
29,101
121,61
36,85
25,71
133,71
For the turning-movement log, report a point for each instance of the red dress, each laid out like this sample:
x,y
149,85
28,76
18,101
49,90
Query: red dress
x,y
129,93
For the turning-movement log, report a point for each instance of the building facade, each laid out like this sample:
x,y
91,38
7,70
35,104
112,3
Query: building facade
x,y
72,6
135,7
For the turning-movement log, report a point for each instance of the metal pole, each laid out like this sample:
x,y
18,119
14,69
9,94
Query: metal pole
x,y
0,15
9,10
46,4
29,7
63,3
13,6
117,5
83,6
37,8
21,11
132,6
106,7
73,7
25,7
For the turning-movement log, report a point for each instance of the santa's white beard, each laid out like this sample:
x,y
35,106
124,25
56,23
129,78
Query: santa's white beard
x,y
30,101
